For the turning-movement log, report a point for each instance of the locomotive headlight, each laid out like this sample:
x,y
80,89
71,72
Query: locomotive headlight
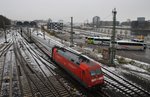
x,y
100,78
93,80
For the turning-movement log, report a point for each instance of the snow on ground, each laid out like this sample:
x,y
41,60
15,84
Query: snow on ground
x,y
88,49
132,67
32,58
145,76
48,39
135,71
112,68
138,64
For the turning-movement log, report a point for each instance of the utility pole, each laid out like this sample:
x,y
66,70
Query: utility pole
x,y
4,27
71,38
43,30
44,35
37,30
112,45
21,31
30,34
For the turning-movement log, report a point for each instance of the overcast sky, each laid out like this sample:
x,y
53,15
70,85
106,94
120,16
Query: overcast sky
x,y
81,10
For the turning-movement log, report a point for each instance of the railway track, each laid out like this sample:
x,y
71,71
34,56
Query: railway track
x,y
137,78
39,82
84,91
2,70
122,85
56,83
9,85
35,84
126,87
4,48
56,77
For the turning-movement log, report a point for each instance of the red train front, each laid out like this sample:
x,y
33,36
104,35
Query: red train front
x,y
85,70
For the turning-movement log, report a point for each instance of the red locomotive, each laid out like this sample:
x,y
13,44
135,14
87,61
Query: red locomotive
x,y
83,69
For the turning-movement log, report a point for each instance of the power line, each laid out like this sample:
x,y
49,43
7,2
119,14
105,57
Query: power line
x,y
107,16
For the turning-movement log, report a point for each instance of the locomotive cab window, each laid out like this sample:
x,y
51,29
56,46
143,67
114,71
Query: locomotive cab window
x,y
83,59
60,51
92,73
56,50
72,60
77,63
96,72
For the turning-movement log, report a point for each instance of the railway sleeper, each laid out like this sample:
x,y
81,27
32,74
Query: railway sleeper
x,y
44,89
40,90
61,89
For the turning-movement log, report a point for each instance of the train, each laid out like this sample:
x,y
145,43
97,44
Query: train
x,y
82,68
85,70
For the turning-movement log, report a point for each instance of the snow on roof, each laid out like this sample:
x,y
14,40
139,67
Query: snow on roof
x,y
101,37
128,41
72,50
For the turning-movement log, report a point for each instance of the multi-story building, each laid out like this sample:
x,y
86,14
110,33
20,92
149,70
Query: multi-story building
x,y
140,27
55,25
96,21
140,19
